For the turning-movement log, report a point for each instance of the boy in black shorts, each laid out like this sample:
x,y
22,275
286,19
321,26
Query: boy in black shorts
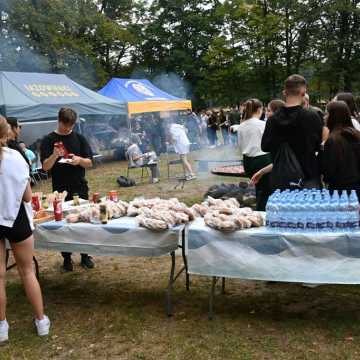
x,y
69,177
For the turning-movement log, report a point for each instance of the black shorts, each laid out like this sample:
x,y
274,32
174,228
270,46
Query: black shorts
x,y
21,229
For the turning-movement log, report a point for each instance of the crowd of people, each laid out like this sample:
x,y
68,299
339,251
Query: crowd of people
x,y
300,145
287,144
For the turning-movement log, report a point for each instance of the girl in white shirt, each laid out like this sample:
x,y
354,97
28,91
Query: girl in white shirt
x,y
16,226
181,144
250,132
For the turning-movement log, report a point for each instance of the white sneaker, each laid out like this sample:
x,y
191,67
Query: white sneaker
x,y
4,331
190,177
43,326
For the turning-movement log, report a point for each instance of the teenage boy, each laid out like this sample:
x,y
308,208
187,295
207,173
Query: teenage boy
x,y
68,176
301,128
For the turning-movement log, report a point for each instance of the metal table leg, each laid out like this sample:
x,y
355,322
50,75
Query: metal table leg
x,y
173,277
187,277
170,285
7,255
223,286
211,297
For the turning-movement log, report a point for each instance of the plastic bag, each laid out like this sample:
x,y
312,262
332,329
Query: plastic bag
x,y
123,181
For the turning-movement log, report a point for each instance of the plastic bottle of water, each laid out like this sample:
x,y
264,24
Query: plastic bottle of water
x,y
320,214
281,212
269,209
334,210
310,214
290,210
327,213
274,220
353,211
332,214
270,212
344,213
301,214
355,206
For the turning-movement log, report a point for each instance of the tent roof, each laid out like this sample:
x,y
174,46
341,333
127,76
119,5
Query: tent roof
x,y
142,96
31,96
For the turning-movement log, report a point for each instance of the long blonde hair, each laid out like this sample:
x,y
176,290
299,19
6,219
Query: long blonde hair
x,y
4,130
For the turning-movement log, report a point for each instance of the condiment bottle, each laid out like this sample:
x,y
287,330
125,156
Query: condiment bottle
x,y
96,197
103,214
35,202
76,200
113,196
44,202
58,210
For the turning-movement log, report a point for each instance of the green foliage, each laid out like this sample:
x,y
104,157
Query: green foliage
x,y
224,51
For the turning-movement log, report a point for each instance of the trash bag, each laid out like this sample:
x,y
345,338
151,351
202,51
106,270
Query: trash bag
x,y
287,172
123,181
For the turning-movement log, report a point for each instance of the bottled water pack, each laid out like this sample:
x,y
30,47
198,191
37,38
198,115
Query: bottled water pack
x,y
312,210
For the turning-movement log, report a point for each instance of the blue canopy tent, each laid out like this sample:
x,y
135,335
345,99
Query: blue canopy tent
x,y
142,96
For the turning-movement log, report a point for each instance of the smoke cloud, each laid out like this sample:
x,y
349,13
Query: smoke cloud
x,y
17,55
173,84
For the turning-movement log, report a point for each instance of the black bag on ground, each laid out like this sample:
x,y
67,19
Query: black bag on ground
x,y
287,172
123,181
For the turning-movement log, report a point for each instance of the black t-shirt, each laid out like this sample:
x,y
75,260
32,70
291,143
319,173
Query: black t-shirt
x,y
64,176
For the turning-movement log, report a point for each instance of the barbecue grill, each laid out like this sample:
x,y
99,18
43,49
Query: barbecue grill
x,y
235,171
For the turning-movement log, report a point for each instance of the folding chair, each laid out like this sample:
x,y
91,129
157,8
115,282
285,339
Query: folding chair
x,y
97,160
38,174
170,162
130,168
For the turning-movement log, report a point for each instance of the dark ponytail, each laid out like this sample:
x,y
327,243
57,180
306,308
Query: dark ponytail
x,y
251,108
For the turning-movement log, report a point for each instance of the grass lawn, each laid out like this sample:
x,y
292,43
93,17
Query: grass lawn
x,y
116,311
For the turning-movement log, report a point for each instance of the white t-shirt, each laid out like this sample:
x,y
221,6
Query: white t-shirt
x,y
134,151
250,133
14,177
180,139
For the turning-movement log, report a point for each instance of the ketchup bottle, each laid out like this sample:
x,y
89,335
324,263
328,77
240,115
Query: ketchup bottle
x,y
58,210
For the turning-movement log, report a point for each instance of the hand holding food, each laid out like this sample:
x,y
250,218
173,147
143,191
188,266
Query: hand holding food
x,y
58,151
75,161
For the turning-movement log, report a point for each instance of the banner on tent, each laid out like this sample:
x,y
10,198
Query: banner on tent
x,y
48,90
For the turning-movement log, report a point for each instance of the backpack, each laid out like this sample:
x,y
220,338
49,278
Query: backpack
x,y
287,172
123,181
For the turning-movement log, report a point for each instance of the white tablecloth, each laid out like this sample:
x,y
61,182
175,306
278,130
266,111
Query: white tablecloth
x,y
118,237
258,254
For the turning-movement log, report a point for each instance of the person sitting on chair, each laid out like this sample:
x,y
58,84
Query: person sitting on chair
x,y
137,158
29,155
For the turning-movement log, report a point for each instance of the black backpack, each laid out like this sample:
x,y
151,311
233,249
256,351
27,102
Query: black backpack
x,y
123,181
287,172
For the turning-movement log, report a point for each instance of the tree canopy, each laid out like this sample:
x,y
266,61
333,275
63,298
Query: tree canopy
x,y
216,52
